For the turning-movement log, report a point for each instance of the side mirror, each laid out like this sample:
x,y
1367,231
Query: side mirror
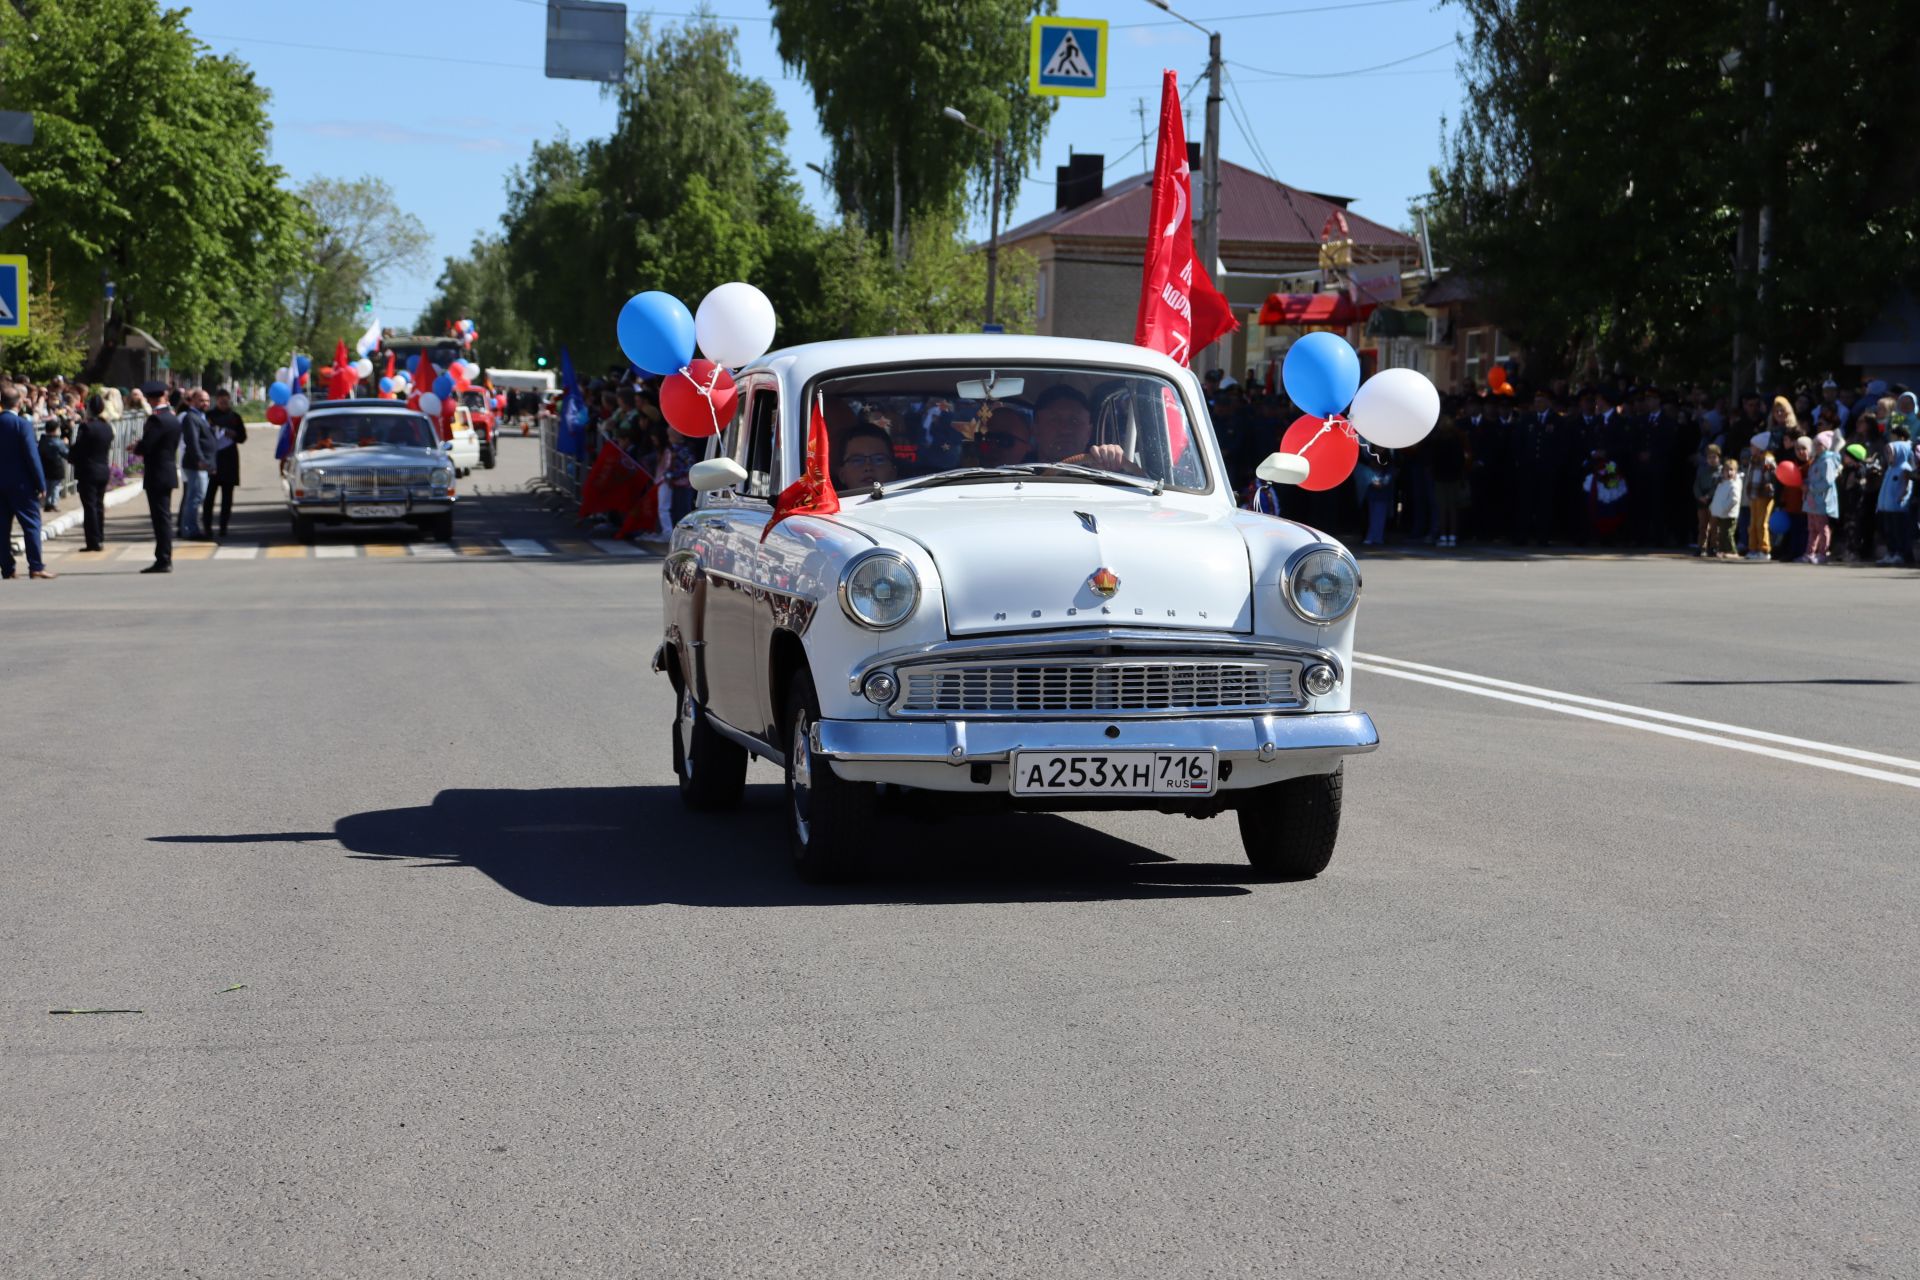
x,y
1283,468
716,473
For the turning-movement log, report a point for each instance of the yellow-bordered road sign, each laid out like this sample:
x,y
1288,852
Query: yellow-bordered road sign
x,y
1068,57
13,295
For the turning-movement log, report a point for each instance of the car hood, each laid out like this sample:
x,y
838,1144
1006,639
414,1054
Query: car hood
x,y
1023,560
374,457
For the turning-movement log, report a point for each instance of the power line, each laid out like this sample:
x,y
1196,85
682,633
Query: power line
x,y
1238,110
1353,71
1248,17
375,53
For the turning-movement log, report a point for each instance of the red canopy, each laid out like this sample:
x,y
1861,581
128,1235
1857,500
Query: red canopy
x,y
1313,308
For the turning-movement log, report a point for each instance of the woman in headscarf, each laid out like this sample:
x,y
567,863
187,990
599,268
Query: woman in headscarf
x,y
1822,499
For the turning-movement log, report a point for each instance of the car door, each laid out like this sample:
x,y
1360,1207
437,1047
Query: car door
x,y
733,521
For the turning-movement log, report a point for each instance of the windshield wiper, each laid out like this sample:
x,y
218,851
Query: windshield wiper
x,y
950,477
1090,473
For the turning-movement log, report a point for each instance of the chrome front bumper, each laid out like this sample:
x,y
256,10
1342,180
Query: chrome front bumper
x,y
1262,749
337,507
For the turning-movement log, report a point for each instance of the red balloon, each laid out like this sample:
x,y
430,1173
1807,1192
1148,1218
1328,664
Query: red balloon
x,y
699,400
1330,447
276,414
1788,473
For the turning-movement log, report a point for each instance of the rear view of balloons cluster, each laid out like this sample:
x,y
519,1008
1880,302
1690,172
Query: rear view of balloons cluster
x,y
733,327
1394,409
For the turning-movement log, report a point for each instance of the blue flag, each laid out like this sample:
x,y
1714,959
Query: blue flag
x,y
573,410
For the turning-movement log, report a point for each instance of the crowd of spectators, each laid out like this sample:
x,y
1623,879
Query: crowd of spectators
x,y
1814,474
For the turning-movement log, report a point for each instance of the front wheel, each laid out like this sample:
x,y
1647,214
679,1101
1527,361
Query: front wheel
x,y
1289,828
489,457
828,818
440,527
303,530
712,769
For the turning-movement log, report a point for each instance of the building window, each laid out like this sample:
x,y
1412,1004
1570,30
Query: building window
x,y
1040,294
1474,356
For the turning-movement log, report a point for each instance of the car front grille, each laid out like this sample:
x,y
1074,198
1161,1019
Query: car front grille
x,y
1105,687
371,484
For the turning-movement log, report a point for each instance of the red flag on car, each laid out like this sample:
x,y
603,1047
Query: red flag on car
x,y
812,494
1180,310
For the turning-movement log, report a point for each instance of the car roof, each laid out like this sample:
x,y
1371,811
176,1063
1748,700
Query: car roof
x,y
361,406
809,361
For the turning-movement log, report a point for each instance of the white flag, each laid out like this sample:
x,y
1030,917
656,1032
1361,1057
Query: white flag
x,y
369,340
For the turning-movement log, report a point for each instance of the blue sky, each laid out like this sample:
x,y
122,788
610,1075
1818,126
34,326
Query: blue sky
x,y
443,100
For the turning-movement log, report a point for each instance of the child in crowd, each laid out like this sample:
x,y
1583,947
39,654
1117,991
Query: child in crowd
x,y
1859,488
1706,478
1822,500
1896,493
1606,500
1723,509
1762,488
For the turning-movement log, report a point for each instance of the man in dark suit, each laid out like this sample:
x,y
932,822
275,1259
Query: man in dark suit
x,y
91,457
22,485
158,445
1537,453
230,431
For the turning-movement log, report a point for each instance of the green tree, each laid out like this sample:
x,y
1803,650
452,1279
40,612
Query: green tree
x,y
150,169
1605,185
881,72
691,190
49,346
941,287
360,235
478,286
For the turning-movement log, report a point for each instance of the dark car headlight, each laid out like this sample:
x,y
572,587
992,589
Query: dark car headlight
x,y
1322,584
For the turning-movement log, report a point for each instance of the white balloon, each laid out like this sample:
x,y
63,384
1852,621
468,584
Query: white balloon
x,y
1395,408
430,404
297,407
734,325
363,367
283,375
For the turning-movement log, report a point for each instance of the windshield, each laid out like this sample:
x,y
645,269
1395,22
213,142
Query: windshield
x,y
475,399
353,430
980,425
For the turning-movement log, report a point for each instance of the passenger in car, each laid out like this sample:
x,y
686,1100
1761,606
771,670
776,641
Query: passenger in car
x,y
1006,439
865,458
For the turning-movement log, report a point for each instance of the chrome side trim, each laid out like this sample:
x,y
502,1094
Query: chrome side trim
x,y
755,746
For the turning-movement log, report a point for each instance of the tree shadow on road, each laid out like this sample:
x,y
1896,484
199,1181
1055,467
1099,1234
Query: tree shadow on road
x,y
637,846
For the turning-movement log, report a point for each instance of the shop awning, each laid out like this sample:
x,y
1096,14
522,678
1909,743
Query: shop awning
x,y
1313,308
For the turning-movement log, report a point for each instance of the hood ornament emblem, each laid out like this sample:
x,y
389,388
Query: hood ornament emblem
x,y
1104,583
1087,521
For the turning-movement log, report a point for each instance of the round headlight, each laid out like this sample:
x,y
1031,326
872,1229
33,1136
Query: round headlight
x,y
878,589
1323,584
441,479
310,479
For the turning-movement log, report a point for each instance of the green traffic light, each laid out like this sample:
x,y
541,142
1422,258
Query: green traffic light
x,y
540,361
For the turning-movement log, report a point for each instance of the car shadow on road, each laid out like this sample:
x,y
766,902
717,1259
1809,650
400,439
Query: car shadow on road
x,y
637,846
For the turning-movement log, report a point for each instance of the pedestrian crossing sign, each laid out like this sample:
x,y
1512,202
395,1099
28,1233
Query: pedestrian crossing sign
x,y
13,295
1068,57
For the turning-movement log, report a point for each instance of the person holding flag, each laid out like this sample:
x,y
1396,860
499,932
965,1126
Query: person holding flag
x,y
571,439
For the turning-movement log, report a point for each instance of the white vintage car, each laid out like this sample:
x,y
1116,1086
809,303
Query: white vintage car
x,y
1038,587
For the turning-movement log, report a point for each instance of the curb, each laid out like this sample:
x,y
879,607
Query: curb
x,y
71,520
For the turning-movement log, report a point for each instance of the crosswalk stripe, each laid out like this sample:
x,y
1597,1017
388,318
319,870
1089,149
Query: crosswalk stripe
x,y
336,551
430,550
570,547
525,547
617,548
137,551
236,553
286,551
193,551
478,549
385,549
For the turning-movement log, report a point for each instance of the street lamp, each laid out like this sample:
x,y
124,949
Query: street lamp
x,y
993,213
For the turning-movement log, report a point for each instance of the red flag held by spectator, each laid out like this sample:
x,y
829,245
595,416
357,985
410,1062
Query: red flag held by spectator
x,y
1180,310
606,486
813,493
643,502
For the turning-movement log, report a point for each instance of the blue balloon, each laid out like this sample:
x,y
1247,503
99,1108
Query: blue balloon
x,y
302,363
1322,372
1778,523
443,385
656,332
280,393
386,384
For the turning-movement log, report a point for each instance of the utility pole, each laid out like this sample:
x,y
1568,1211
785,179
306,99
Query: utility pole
x,y
1140,110
959,117
1210,169
1208,249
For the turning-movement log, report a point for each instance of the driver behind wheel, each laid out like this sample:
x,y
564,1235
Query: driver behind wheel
x,y
1063,430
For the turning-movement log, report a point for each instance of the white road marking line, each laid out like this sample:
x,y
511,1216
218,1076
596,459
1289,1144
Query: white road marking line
x,y
236,553
432,550
335,551
1753,748
525,547
615,548
1649,713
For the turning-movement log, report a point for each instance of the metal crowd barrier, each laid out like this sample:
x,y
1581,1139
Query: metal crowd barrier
x,y
560,470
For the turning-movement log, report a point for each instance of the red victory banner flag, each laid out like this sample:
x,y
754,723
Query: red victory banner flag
x,y
1180,310
812,494
643,501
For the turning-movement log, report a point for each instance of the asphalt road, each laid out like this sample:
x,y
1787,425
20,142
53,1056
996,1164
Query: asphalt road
x,y
1577,998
